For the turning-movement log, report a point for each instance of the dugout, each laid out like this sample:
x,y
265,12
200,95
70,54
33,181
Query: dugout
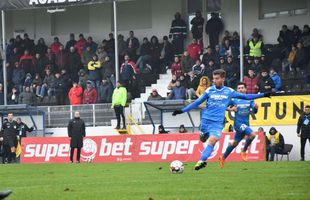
x,y
32,116
166,107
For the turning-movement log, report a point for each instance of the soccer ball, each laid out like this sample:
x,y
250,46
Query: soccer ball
x,y
176,167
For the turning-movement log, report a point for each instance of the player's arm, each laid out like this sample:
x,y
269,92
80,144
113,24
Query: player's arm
x,y
249,96
254,107
232,107
193,105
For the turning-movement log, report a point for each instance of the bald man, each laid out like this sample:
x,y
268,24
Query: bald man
x,y
76,132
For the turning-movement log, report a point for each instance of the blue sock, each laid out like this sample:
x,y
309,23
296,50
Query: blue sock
x,y
206,152
228,151
248,141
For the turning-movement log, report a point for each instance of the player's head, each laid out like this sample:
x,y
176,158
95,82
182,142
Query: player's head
x,y
10,116
241,87
18,120
307,109
76,114
219,77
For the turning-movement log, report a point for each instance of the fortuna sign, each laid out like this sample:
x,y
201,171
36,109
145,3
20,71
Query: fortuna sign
x,y
45,2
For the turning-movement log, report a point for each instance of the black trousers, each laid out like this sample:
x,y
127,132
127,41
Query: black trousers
x,y
78,154
178,45
302,146
272,150
119,112
7,155
213,39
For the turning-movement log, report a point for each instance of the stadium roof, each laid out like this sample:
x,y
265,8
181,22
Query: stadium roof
x,y
35,4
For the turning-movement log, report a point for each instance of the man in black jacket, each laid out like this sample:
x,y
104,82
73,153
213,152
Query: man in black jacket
x,y
76,131
303,130
178,33
23,128
10,137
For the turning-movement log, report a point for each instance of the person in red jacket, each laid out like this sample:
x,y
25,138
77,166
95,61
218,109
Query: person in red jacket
x,y
27,62
176,68
194,49
55,46
251,82
75,94
90,94
80,44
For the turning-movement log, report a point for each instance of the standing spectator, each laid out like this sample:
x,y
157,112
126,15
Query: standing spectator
x,y
193,83
71,42
61,59
94,67
87,56
1,95
207,56
235,45
36,84
305,40
222,63
176,67
80,44
166,54
27,97
214,27
178,33
178,92
226,36
18,77
182,129
198,68
28,44
76,133
15,57
275,143
154,96
102,54
209,68
48,83
10,137
108,71
27,63
197,27
55,46
132,44
41,47
155,54
194,49
145,54
287,65
276,80
13,96
203,85
286,38
50,57
75,94
303,130
119,100
40,63
60,90
83,78
105,91
251,82
90,43
111,44
122,46
127,73
74,63
232,72
265,84
226,49
255,47
186,63
23,128
296,34
257,66
9,48
90,94
300,61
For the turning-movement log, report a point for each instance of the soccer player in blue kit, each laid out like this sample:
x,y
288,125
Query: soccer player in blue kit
x,y
218,98
242,109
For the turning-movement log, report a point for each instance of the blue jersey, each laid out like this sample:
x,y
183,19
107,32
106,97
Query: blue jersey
x,y
217,101
244,107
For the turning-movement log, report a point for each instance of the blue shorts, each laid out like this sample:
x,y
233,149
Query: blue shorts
x,y
241,131
210,128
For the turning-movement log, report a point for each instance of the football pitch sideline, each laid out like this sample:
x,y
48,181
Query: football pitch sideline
x,y
146,181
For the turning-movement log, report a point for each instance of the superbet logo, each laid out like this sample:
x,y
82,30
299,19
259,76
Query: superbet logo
x,y
47,151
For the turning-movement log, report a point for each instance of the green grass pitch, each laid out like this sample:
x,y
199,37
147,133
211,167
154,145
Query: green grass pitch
x,y
146,181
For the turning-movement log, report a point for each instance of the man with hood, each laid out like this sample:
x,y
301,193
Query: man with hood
x,y
178,33
203,85
275,143
214,27
154,96
161,130
265,84
76,132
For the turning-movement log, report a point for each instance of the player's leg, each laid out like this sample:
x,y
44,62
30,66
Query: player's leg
x,y
203,131
237,138
251,136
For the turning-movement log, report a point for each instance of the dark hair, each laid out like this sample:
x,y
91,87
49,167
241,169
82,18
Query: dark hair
x,y
241,83
220,72
307,106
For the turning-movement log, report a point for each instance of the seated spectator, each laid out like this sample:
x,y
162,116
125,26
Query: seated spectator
x,y
265,84
55,46
28,81
105,91
251,82
166,54
13,96
193,83
94,75
255,47
40,48
208,56
186,63
235,44
172,82
36,84
217,54
194,49
198,68
249,62
18,77
275,144
145,55
90,94
287,64
90,43
203,85
232,72
75,94
102,54
83,78
27,97
154,96
226,49
182,129
222,63
276,80
178,92
59,89
209,68
71,42
161,130
226,36
27,62
80,44
257,66
176,67
48,83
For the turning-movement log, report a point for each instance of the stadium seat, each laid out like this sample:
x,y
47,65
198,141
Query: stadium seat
x,y
306,88
286,151
296,88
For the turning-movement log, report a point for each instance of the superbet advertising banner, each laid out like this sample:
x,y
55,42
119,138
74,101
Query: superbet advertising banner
x,y
136,148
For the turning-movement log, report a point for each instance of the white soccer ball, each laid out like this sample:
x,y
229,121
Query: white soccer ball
x,y
176,167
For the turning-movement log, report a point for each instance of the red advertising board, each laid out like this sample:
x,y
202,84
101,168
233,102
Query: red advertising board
x,y
136,148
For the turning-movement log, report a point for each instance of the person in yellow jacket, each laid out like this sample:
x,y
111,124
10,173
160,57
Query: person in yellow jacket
x,y
94,75
203,85
119,99
255,47
275,143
